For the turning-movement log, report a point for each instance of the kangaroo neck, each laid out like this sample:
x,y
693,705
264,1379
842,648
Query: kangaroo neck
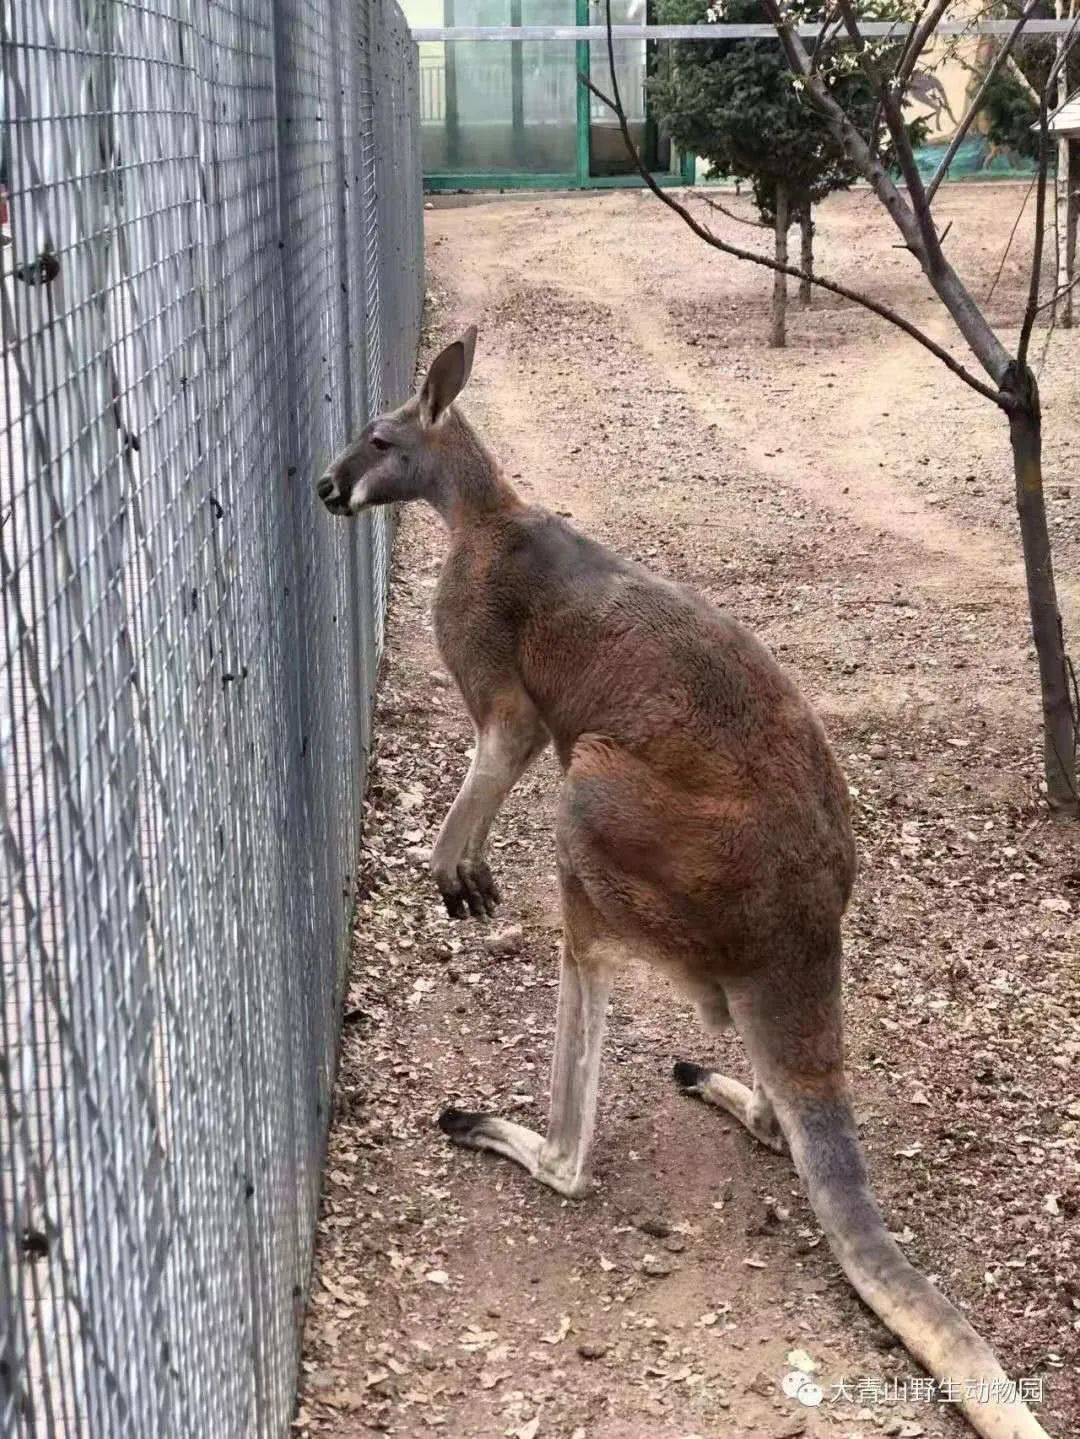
x,y
469,486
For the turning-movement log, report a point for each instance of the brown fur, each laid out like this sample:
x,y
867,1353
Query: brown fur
x,y
703,825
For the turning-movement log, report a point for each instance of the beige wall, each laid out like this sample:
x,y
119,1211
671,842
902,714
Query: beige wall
x,y
953,65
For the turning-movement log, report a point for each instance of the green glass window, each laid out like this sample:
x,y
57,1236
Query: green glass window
x,y
498,108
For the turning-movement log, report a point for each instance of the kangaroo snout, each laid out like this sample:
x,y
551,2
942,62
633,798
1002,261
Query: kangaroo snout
x,y
329,492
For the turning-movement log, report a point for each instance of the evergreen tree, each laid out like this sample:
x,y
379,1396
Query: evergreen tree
x,y
736,104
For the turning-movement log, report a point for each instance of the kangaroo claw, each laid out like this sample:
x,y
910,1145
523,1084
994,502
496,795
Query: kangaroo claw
x,y
470,890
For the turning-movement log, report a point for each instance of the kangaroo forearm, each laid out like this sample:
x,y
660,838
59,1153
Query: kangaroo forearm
x,y
468,821
503,753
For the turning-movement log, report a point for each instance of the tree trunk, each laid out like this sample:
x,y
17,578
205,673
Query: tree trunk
x,y
1063,190
1059,720
806,257
778,333
1062,196
1072,216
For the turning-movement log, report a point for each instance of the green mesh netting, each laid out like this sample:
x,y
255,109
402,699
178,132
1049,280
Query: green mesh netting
x,y
976,159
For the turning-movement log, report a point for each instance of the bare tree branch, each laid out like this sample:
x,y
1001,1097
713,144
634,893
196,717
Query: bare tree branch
x,y
1019,76
970,321
1053,300
1067,41
823,36
917,42
848,135
977,103
614,103
894,119
731,215
1059,292
1033,304
1032,310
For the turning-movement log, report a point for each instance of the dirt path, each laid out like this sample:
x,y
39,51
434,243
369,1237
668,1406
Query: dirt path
x,y
853,506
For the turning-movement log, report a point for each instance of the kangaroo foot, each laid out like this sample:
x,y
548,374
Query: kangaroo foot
x,y
750,1107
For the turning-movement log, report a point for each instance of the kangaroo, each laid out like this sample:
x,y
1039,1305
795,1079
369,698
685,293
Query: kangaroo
x,y
703,826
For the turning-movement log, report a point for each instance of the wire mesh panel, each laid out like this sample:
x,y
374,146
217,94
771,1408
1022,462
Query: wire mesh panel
x,y
394,174
213,276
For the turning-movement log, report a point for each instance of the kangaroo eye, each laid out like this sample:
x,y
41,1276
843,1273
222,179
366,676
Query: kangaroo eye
x,y
377,444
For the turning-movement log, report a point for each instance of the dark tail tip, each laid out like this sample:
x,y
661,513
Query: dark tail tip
x,y
689,1076
456,1122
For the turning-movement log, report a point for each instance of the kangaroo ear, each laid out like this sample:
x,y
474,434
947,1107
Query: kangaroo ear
x,y
447,376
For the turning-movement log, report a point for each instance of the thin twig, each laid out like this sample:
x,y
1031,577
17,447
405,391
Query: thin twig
x,y
1046,346
731,215
1032,309
1062,766
977,103
614,103
894,120
1060,293
1068,40
1012,237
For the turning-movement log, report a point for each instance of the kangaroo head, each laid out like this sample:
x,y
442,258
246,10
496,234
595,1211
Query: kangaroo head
x,y
397,456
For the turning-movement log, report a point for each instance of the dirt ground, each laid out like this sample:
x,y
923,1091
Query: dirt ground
x,y
852,502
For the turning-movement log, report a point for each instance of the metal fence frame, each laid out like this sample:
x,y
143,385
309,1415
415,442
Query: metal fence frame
x,y
215,275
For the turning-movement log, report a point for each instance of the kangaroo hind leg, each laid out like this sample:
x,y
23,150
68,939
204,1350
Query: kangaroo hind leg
x,y
559,1159
751,1107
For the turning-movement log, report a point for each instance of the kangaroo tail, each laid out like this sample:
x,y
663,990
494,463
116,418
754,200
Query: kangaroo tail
x,y
824,1144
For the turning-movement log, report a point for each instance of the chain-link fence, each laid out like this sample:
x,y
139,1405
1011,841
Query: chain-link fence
x,y
211,275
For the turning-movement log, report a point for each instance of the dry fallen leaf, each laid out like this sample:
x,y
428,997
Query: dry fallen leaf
x,y
347,1399
558,1335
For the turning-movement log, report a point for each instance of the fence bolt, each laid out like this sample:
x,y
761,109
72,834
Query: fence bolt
x,y
41,271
